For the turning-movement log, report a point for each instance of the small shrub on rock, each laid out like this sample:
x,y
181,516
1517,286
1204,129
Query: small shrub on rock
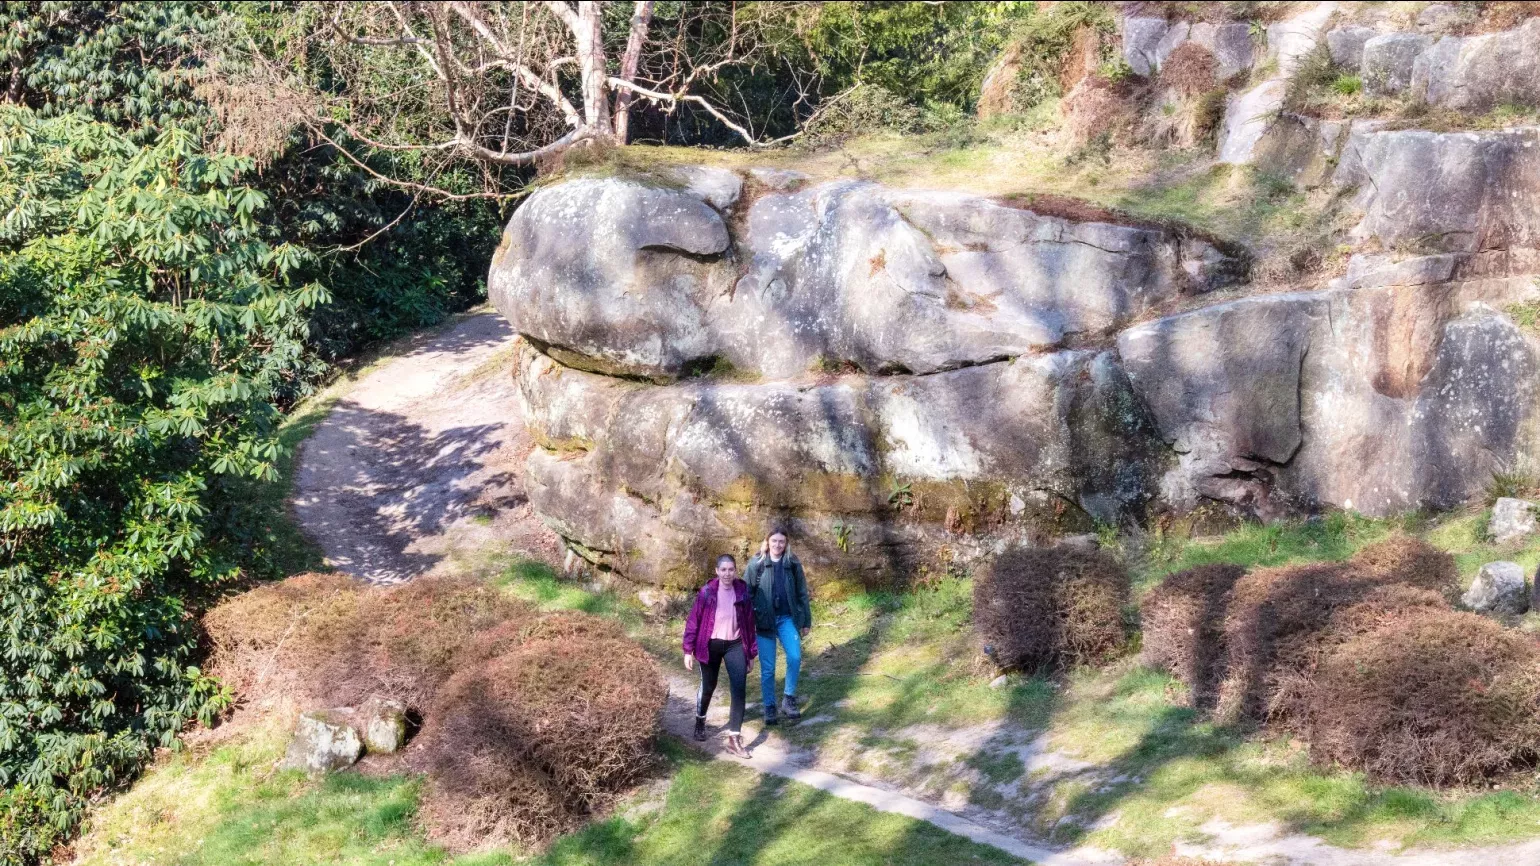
x,y
1430,696
1046,608
1183,621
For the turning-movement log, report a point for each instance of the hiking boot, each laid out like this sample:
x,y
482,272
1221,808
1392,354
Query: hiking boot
x,y
770,716
735,747
700,729
789,707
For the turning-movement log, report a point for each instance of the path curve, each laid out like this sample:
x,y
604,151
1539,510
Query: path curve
x,y
416,469
417,466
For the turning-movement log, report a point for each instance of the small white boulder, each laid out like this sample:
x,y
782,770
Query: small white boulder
x,y
1498,588
1512,520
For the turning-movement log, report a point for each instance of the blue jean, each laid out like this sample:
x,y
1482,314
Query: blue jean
x,y
791,643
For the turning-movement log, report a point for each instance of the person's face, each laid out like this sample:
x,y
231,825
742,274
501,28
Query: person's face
x,y
777,545
727,570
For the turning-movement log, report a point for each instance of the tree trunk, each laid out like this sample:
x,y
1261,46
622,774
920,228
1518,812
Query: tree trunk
x,y
641,19
590,55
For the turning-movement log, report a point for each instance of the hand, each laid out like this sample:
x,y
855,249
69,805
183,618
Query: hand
x,y
689,661
804,632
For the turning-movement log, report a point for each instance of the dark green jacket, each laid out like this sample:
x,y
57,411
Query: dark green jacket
x,y
760,577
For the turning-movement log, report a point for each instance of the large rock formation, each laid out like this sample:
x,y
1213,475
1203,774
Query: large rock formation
x,y
915,376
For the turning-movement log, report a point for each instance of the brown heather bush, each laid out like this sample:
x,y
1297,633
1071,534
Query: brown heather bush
x,y
1189,70
569,718
1047,608
530,722
326,638
1183,622
268,642
1098,107
1430,696
1278,617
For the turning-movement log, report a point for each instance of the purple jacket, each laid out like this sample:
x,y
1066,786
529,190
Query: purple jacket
x,y
703,615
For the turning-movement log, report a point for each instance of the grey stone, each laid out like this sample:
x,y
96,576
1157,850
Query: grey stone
x,y
574,255
1083,541
1250,114
324,740
717,187
1498,588
842,272
907,373
1000,681
1380,400
779,179
1388,62
1231,45
673,474
1512,520
1438,18
1227,404
1446,192
1478,73
383,722
1346,45
1141,40
1303,149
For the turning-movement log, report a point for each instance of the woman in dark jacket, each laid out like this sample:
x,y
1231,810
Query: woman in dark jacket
x,y
783,610
720,630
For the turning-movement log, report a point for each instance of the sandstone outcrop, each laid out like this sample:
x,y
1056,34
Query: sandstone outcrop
x,y
912,376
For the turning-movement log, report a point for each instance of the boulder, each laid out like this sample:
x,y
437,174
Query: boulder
x,y
1445,192
1304,149
627,278
1479,73
1227,404
1346,45
1498,588
324,740
1250,114
650,480
1388,61
383,722
1512,520
1378,399
1142,37
1231,45
910,376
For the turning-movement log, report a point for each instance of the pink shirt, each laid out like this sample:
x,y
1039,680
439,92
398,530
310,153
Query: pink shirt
x,y
726,625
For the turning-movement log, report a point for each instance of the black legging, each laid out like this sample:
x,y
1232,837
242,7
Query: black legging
x,y
730,651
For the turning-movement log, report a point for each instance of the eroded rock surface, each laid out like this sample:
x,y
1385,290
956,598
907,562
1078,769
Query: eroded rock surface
x,y
912,376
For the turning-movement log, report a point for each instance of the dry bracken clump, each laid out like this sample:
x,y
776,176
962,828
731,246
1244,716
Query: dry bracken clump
x,y
1277,619
530,722
1183,623
1047,608
1431,696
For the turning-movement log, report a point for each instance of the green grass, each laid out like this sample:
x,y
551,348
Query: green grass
x,y
718,813
227,807
880,663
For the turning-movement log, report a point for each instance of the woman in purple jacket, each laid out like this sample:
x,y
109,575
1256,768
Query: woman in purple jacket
x,y
720,631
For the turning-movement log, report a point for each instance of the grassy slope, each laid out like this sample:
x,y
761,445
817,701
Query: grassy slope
x,y
224,806
885,670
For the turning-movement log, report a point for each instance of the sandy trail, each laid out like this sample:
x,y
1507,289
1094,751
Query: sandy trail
x,y
417,465
417,469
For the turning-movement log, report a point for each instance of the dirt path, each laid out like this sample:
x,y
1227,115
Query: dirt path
x,y
416,469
